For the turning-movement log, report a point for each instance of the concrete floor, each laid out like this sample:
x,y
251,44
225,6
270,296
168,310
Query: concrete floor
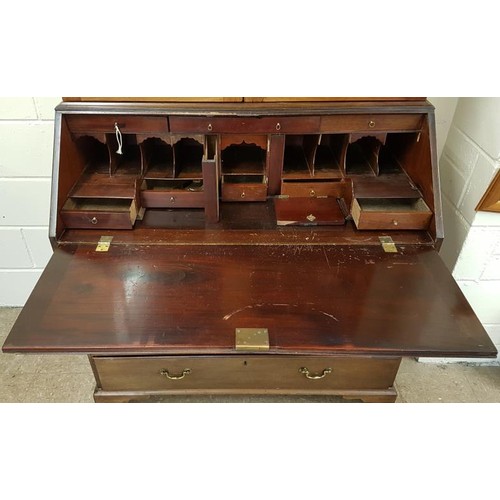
x,y
69,379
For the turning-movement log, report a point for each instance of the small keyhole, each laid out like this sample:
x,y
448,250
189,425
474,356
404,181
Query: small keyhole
x,y
244,363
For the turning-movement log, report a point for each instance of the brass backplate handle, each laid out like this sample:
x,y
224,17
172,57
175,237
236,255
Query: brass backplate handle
x,y
308,375
166,373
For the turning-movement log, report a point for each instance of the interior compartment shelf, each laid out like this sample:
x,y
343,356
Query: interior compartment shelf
x,y
158,158
242,159
188,155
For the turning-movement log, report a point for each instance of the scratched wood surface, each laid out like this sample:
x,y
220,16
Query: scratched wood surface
x,y
313,299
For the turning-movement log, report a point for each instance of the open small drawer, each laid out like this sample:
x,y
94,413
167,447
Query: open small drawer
x,y
390,213
172,193
244,188
99,213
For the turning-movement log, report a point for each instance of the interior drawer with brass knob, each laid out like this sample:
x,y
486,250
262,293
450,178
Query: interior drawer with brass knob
x,y
156,193
99,213
244,188
258,372
390,213
313,189
238,125
371,123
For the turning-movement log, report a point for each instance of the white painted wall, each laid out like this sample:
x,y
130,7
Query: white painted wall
x,y
26,141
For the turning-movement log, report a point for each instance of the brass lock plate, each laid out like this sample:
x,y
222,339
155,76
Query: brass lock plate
x,y
252,339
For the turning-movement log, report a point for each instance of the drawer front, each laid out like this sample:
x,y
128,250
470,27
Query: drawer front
x,y
172,199
371,123
81,217
311,189
244,191
81,124
87,219
308,373
234,125
392,218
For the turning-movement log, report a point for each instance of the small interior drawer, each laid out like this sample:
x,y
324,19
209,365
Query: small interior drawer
x,y
311,189
172,194
198,373
99,213
391,213
244,188
371,123
238,125
128,124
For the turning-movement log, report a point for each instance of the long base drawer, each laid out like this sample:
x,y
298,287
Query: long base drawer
x,y
240,372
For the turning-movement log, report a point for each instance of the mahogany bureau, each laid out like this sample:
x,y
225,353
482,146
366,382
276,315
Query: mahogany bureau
x,y
247,248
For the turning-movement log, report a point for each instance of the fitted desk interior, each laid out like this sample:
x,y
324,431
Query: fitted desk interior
x,y
246,248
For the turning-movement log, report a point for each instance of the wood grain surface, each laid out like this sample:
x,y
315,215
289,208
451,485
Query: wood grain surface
x,y
313,299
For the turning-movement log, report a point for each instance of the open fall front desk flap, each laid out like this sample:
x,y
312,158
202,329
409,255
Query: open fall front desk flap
x,y
163,299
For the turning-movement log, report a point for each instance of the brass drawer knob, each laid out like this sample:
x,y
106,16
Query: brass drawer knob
x,y
209,128
371,124
166,373
308,374
94,220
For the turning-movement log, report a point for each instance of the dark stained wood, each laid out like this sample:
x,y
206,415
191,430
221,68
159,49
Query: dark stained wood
x,y
252,227
185,300
243,191
370,123
164,198
311,188
249,125
193,267
308,212
99,213
139,373
390,213
106,124
275,163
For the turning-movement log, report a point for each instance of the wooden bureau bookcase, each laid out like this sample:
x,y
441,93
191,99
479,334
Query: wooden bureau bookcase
x,y
246,248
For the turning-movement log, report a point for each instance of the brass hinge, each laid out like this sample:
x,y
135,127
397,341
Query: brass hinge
x,y
252,339
104,244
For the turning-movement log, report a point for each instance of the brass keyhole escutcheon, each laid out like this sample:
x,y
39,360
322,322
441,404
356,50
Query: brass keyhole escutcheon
x,y
371,124
310,376
94,220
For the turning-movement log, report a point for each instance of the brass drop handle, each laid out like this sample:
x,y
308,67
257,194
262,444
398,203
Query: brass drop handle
x,y
308,375
209,128
278,126
312,193
395,222
371,124
243,194
166,373
172,199
94,220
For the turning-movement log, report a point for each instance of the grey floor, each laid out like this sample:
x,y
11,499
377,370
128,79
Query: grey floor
x,y
69,379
